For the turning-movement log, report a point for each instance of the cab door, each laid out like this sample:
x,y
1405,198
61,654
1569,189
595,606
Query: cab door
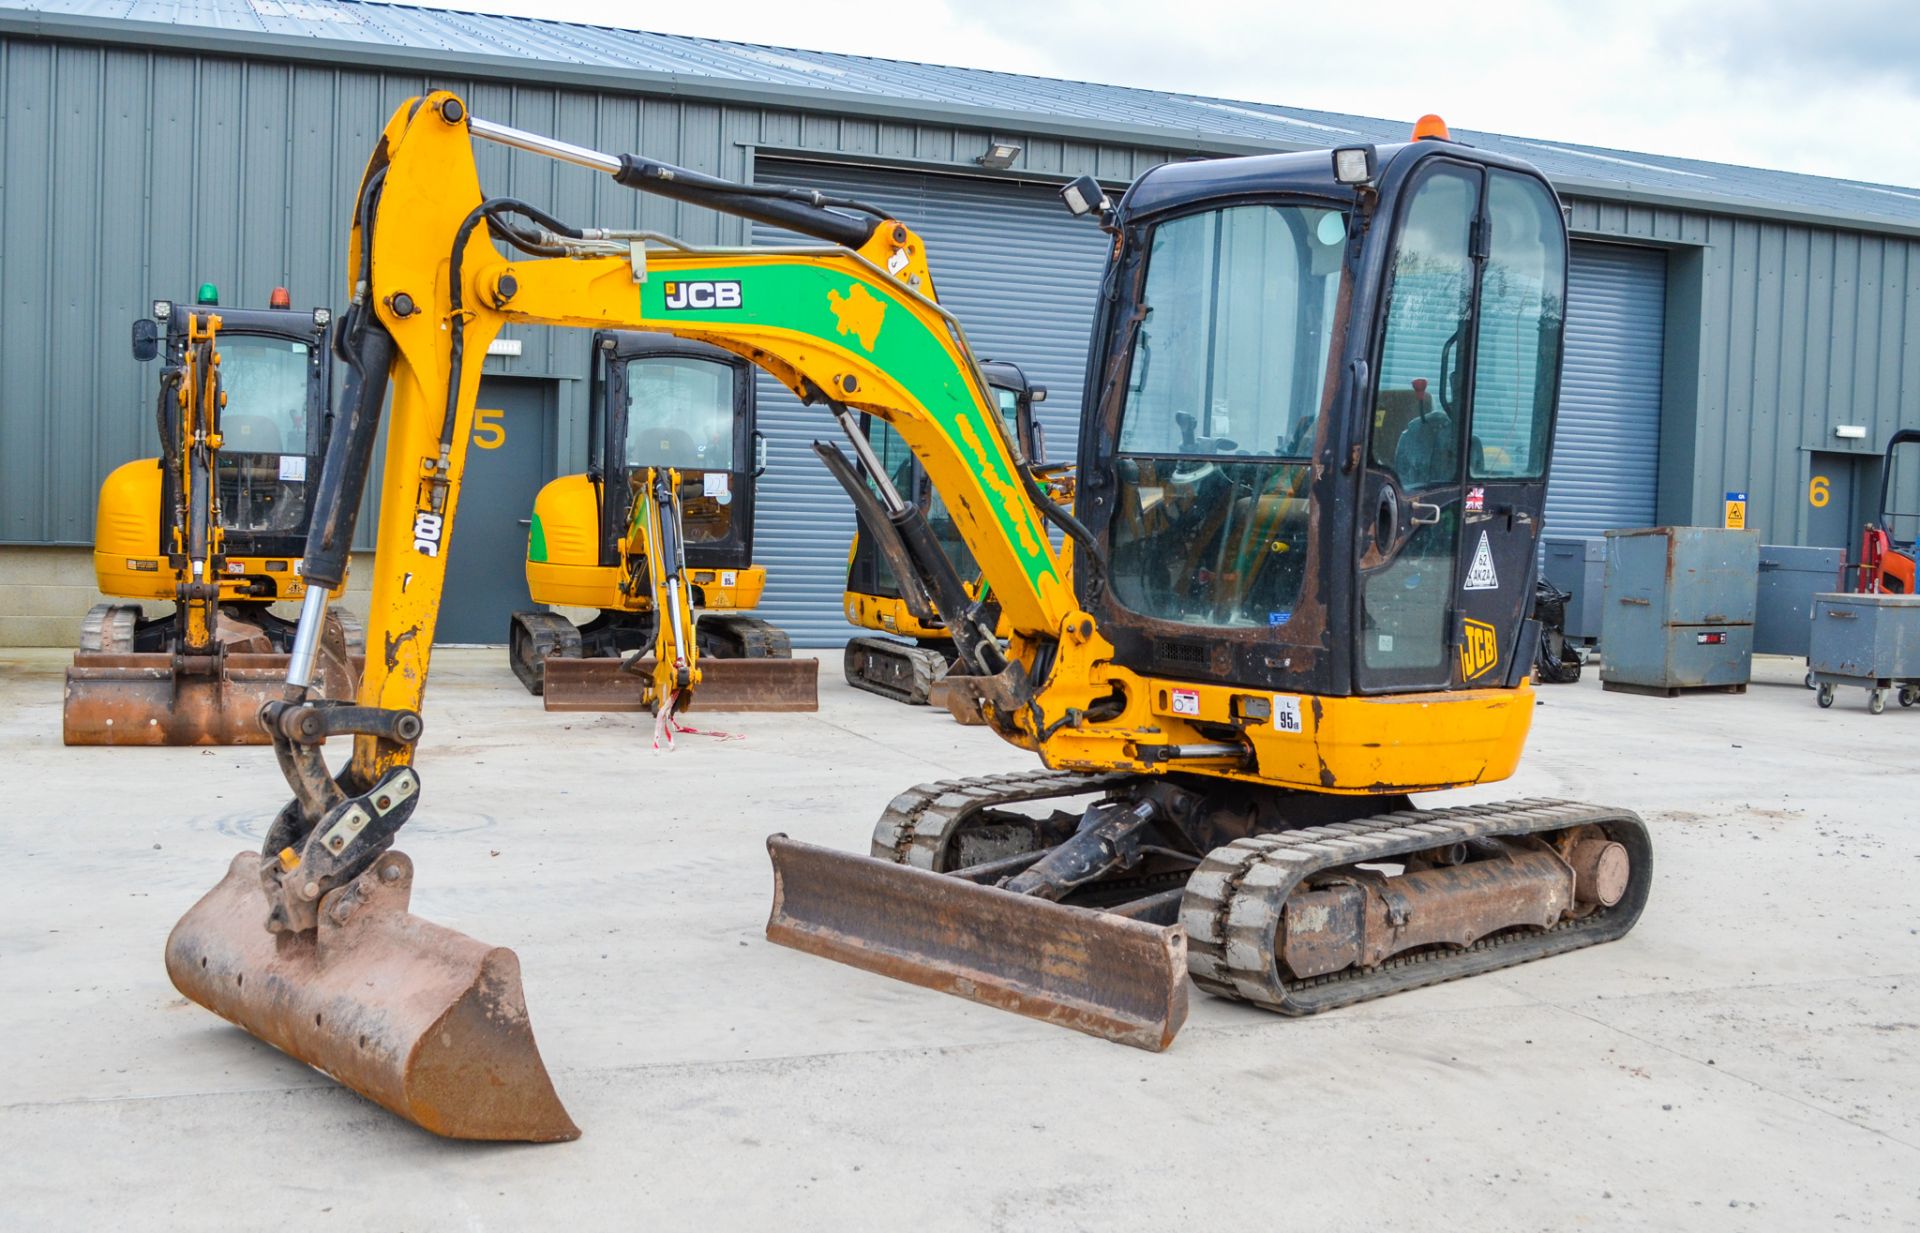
x,y
1513,389
1412,499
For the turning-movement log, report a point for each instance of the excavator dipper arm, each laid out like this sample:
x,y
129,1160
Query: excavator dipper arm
x,y
303,943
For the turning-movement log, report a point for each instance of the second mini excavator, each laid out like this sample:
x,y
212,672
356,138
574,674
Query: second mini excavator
x,y
215,524
1281,617
606,540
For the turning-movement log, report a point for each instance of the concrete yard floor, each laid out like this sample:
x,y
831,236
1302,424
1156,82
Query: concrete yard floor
x,y
1747,1058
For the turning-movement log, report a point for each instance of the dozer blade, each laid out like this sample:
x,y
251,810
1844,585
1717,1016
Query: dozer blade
x,y
725,685
424,1021
139,699
1106,975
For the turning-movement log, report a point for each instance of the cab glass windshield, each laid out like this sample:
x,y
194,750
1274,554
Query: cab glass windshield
x,y
680,414
1228,373
262,467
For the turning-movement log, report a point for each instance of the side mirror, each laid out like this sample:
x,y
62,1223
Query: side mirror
x,y
1033,437
1084,196
146,339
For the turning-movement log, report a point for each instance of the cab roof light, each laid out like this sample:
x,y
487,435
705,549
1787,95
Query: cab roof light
x,y
1355,164
209,294
1431,128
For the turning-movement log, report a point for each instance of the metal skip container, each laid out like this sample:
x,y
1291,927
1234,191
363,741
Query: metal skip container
x,y
1679,609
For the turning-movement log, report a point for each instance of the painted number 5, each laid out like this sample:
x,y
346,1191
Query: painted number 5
x,y
1819,492
488,432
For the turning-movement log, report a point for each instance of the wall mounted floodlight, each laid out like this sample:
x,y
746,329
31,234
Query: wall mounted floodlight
x,y
999,156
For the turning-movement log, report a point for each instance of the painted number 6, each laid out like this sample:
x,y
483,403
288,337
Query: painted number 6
x,y
488,431
1819,492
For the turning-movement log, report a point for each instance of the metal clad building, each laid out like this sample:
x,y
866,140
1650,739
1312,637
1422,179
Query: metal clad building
x,y
1723,321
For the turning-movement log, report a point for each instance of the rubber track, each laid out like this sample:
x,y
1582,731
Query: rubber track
x,y
547,634
926,666
108,629
745,637
1234,900
917,824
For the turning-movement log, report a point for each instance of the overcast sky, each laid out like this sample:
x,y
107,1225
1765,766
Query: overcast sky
x,y
1829,87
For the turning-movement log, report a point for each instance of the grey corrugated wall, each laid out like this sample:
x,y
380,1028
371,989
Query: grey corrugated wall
x,y
1776,334
126,174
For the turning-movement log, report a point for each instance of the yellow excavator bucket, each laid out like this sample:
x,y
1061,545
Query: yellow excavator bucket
x,y
420,1019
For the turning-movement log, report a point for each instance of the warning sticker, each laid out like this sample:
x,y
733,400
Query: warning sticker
x,y
1286,713
1186,702
729,578
1480,575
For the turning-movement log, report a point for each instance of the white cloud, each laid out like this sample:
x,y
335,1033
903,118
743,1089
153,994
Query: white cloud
x,y
1687,78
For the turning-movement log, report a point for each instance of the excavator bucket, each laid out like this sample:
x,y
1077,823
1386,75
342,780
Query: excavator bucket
x,y
148,699
1106,975
725,685
424,1021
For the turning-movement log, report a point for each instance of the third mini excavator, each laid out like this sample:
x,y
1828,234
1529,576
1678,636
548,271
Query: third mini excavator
x,y
613,540
910,650
1297,595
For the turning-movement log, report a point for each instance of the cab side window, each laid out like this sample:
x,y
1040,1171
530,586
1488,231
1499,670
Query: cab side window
x,y
1523,296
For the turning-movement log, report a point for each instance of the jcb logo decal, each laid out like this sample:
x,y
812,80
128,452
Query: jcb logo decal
x,y
426,534
703,295
1479,650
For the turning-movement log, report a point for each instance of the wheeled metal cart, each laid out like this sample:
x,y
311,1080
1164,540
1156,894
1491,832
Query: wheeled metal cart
x,y
1869,642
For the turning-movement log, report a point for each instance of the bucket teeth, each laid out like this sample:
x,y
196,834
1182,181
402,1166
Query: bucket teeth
x,y
1106,975
423,1020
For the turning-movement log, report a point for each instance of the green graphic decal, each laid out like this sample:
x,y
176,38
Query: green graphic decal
x,y
537,542
846,312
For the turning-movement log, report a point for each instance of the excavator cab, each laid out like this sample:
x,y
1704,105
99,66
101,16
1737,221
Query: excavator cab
x,y
1890,544
148,680
658,404
912,651
1324,468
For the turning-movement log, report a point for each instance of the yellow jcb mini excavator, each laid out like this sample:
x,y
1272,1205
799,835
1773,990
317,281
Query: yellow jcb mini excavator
x,y
1270,638
216,525
911,649
657,403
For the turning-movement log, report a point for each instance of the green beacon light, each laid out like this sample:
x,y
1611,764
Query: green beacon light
x,y
209,294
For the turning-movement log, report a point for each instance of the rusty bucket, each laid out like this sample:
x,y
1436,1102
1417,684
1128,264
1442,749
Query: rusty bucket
x,y
144,699
422,1020
725,685
1095,972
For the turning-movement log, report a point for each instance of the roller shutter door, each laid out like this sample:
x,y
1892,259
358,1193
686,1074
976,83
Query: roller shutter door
x,y
1020,274
1606,449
